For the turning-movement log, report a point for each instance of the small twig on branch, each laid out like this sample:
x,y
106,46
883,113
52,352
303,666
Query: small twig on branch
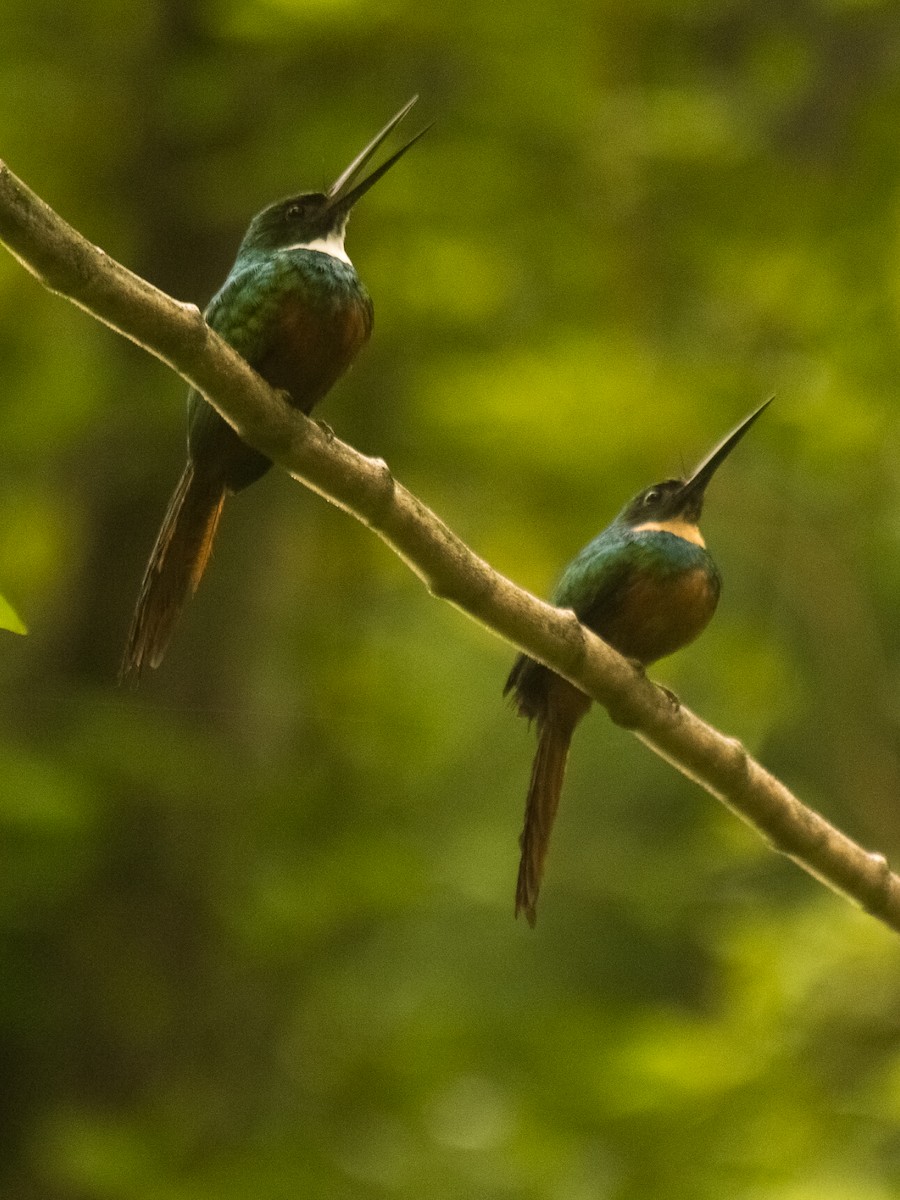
x,y
176,333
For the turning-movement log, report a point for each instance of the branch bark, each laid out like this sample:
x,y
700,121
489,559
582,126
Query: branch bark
x,y
69,265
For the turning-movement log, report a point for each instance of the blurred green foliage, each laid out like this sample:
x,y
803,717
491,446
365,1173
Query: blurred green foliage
x,y
256,931
9,618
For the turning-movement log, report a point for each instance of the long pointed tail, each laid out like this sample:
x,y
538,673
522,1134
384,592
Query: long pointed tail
x,y
547,774
175,568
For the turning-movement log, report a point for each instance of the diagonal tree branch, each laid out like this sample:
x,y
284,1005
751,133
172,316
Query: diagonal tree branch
x,y
69,265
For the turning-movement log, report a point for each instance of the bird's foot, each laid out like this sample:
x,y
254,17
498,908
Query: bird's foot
x,y
670,696
667,692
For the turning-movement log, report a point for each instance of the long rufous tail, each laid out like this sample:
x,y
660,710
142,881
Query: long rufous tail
x,y
175,568
547,774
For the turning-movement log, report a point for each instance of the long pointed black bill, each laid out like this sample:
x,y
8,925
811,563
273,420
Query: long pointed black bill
x,y
342,194
705,471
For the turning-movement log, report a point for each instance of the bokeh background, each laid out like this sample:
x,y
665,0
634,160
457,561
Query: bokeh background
x,y
256,934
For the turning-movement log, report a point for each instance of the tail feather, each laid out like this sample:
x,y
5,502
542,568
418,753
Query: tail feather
x,y
557,706
547,776
176,567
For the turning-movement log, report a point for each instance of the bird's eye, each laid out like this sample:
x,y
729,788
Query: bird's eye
x,y
651,496
298,209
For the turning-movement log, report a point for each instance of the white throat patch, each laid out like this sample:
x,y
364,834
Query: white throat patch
x,y
682,529
333,245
